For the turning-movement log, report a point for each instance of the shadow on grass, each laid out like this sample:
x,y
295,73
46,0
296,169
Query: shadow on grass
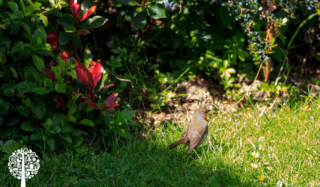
x,y
139,163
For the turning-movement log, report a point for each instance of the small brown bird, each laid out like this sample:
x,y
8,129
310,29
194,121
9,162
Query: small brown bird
x,y
196,132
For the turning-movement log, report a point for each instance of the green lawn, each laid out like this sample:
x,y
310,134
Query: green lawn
x,y
287,139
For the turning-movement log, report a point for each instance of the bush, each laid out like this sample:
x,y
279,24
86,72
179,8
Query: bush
x,y
49,99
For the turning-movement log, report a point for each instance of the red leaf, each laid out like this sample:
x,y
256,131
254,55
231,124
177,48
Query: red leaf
x,y
92,104
83,32
50,74
74,7
64,56
51,63
59,102
95,72
68,97
82,73
112,106
52,40
75,93
106,86
78,16
110,100
88,13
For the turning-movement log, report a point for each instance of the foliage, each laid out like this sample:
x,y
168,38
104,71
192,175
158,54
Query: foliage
x,y
48,99
225,43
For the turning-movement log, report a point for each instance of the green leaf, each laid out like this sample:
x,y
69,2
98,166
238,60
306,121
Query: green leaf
x,y
38,62
35,17
140,21
121,132
28,126
10,146
72,109
127,114
67,128
23,7
5,43
43,32
1,1
87,122
156,11
38,109
60,87
14,72
26,101
70,29
35,6
17,132
77,141
47,125
72,119
68,64
76,40
50,143
9,91
45,52
87,57
264,86
44,19
78,133
72,74
57,71
4,133
3,56
66,137
62,64
36,34
64,38
23,110
25,86
48,83
35,136
26,27
83,150
63,22
41,90
129,2
14,27
13,6
56,121
97,21
18,48
39,41
36,75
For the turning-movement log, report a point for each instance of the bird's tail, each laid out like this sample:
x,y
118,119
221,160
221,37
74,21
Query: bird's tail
x,y
182,140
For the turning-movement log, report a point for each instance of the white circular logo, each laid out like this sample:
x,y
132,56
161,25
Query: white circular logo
x,y
24,163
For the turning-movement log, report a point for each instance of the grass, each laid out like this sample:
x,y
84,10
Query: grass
x,y
287,139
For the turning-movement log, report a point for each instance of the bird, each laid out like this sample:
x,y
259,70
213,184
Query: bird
x,y
196,132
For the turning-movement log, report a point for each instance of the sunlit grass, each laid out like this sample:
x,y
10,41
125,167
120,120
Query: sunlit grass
x,y
283,147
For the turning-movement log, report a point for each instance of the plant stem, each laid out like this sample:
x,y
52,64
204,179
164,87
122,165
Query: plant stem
x,y
301,24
